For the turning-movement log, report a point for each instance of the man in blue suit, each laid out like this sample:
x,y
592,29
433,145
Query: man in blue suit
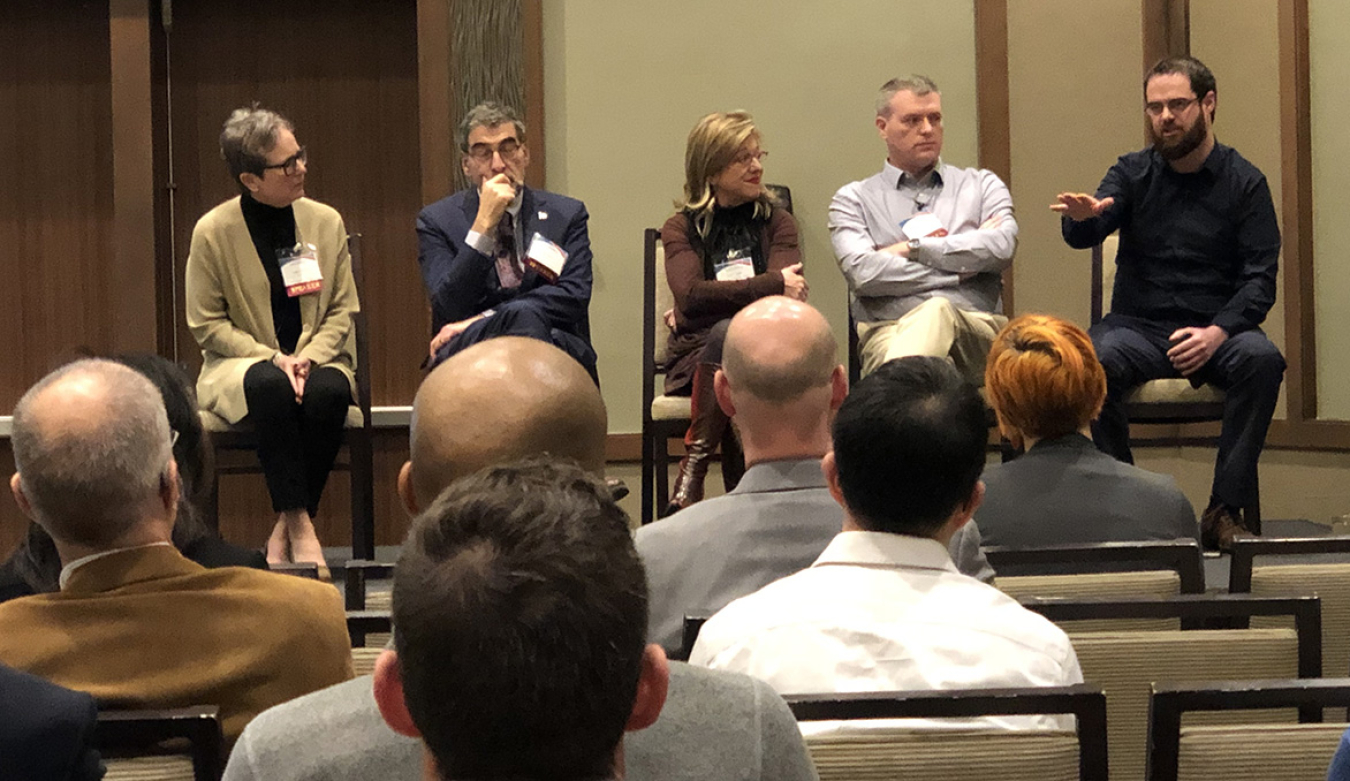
x,y
500,258
46,731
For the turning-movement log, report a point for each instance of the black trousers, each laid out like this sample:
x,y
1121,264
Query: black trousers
x,y
297,442
1248,367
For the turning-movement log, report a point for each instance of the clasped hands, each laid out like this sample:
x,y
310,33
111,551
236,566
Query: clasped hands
x,y
297,371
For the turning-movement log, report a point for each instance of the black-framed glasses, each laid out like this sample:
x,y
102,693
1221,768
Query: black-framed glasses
x,y
483,153
291,164
1174,106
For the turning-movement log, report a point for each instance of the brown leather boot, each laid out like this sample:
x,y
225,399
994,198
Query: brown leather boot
x,y
707,425
1219,526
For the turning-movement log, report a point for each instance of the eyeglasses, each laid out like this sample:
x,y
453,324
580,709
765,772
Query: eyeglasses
x,y
291,164
483,152
1174,106
746,157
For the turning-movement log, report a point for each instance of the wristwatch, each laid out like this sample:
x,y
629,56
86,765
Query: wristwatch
x,y
913,246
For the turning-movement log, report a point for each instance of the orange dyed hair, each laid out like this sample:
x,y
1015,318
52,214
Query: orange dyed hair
x,y
1043,378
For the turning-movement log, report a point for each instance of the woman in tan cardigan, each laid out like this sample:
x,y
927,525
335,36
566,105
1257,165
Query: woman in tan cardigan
x,y
270,299
728,245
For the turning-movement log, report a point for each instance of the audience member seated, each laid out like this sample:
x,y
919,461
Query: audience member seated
x,y
923,244
780,383
35,566
1340,764
1046,386
503,400
46,732
729,244
135,623
503,259
269,299
884,608
521,608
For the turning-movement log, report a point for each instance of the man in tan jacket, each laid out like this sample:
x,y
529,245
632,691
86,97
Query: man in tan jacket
x,y
135,623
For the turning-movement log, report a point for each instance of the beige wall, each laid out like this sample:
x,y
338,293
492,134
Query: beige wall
x,y
1073,83
1239,41
1329,31
624,82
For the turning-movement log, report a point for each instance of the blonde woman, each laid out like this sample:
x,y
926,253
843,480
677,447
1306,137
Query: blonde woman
x,y
728,245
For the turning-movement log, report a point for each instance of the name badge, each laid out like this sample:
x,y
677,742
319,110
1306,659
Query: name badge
x,y
922,225
300,270
546,257
737,264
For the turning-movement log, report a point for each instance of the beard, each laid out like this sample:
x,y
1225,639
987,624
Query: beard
x,y
1187,143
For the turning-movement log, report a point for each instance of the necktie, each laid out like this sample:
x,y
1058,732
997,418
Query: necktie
x,y
509,271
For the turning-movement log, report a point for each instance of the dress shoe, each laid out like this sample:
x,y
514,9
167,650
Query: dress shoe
x,y
1219,526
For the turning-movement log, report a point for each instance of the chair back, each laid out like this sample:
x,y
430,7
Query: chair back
x,y
1251,751
1103,274
370,632
974,754
180,744
1329,580
1158,584
357,590
1127,664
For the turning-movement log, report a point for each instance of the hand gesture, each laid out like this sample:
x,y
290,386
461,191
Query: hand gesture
x,y
1081,206
493,197
669,318
794,284
297,371
1193,347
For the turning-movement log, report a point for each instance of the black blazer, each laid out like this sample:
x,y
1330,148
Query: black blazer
x,y
46,731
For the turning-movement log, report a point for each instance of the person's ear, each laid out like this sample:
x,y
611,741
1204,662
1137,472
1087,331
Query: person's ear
x,y
653,685
722,388
405,490
170,488
969,506
831,469
251,181
464,165
524,157
838,387
388,688
881,126
20,498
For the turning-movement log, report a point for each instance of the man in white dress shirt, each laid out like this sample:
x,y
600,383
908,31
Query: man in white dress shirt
x,y
922,244
884,608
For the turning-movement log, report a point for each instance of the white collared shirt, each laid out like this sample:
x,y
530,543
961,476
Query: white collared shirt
x,y
70,568
887,612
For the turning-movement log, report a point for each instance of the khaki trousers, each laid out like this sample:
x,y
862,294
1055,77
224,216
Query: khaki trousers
x,y
936,327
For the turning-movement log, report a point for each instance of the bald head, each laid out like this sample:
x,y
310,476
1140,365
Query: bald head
x,y
777,349
92,447
502,400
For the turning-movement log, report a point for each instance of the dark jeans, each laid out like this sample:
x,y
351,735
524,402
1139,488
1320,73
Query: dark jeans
x,y
522,322
297,443
1248,367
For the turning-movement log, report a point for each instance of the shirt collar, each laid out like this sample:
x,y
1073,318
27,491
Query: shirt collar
x,y
70,568
786,475
887,551
894,177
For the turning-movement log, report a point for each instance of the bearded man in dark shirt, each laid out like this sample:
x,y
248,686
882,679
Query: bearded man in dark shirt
x,y
1199,246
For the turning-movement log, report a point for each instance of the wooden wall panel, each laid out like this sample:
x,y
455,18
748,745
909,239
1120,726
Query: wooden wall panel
x,y
56,204
346,74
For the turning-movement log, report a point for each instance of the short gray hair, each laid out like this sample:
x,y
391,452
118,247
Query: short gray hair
x,y
489,113
89,471
919,85
248,135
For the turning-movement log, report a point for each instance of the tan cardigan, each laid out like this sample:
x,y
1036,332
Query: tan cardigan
x,y
229,303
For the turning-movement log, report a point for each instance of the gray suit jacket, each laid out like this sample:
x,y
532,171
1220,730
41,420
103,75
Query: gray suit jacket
x,y
776,522
715,725
1065,491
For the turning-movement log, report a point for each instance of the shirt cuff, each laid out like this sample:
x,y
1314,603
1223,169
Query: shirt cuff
x,y
483,244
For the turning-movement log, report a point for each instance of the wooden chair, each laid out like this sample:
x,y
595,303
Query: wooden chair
x,y
357,574
663,417
1329,580
1158,569
181,744
358,435
1170,400
958,754
1126,664
1250,751
370,632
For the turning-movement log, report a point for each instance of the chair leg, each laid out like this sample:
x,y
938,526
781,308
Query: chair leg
x,y
662,470
648,511
1251,514
362,474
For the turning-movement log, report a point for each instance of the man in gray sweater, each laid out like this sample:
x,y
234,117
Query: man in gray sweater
x,y
501,400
